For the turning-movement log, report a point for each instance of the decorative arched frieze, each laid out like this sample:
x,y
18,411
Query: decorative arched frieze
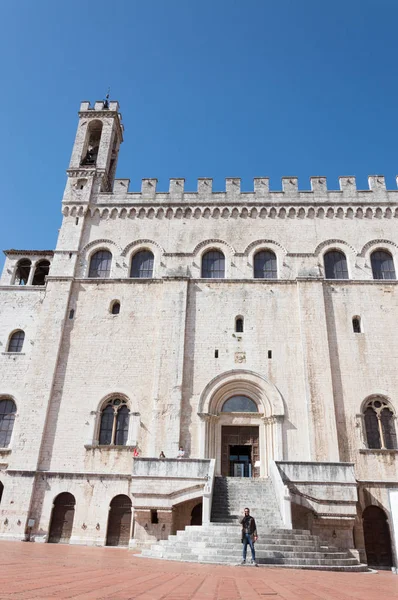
x,y
330,244
378,244
212,243
143,243
263,244
97,244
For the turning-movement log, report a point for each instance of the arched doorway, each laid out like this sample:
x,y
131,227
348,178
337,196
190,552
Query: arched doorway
x,y
119,521
241,416
377,537
62,519
196,514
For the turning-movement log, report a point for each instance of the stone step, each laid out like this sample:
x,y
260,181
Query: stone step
x,y
262,555
226,546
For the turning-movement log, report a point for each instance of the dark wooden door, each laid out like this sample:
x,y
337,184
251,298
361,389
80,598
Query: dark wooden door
x,y
62,519
377,537
239,435
119,522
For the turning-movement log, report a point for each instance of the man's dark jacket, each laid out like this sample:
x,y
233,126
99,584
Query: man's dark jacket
x,y
248,526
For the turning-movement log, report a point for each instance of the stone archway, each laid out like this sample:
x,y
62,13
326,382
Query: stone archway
x,y
119,521
377,537
62,519
268,418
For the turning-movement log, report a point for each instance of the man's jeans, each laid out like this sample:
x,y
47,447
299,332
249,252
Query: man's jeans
x,y
247,539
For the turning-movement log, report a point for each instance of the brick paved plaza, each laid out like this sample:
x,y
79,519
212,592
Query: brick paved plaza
x,y
55,571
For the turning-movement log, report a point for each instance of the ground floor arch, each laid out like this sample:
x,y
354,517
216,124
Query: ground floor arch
x,y
119,521
243,441
196,514
377,537
61,523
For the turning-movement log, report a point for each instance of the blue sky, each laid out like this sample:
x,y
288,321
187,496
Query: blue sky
x,y
207,88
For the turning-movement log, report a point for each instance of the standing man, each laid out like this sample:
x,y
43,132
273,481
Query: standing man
x,y
249,535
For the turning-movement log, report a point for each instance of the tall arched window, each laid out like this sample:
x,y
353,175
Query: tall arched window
x,y
22,272
382,265
100,264
213,265
142,264
380,424
114,424
115,307
41,271
265,266
239,324
7,417
335,265
16,341
239,404
356,324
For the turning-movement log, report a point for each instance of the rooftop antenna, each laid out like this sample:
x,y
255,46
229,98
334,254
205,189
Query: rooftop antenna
x,y
106,101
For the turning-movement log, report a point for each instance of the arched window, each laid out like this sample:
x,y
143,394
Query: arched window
x,y
115,307
41,271
16,341
22,272
239,324
142,264
239,404
7,417
93,140
100,264
335,265
114,424
382,265
213,265
356,324
265,265
380,425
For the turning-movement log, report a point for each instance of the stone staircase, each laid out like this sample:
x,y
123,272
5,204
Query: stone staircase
x,y
220,540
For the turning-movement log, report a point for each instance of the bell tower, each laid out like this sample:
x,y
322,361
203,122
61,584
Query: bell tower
x,y
96,148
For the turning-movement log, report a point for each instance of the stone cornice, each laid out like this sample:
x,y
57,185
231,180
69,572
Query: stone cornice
x,y
14,252
232,210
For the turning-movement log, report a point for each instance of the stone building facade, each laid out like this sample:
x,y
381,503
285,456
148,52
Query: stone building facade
x,y
157,311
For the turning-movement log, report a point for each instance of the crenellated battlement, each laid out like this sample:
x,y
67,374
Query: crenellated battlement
x,y
261,187
99,105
